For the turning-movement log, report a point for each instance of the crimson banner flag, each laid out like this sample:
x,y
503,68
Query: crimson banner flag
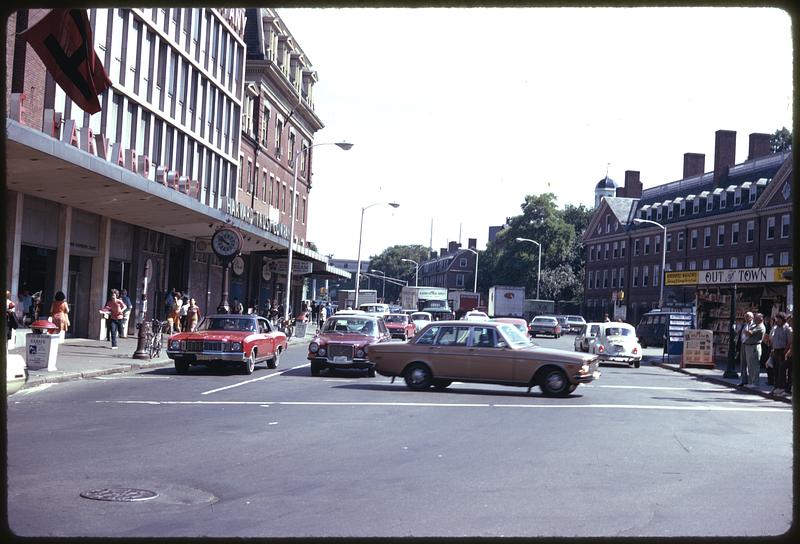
x,y
63,40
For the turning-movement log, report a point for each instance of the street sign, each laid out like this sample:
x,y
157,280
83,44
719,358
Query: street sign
x,y
727,276
698,347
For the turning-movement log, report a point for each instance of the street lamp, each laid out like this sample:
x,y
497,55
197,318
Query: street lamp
x,y
539,269
475,288
342,145
383,283
360,232
663,256
416,270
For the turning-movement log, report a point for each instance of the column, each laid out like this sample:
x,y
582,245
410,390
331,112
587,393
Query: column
x,y
99,290
62,253
14,211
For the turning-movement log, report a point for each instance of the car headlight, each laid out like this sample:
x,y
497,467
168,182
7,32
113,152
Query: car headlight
x,y
584,368
321,352
313,347
235,346
360,352
175,345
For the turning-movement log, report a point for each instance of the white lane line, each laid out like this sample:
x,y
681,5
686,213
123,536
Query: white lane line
x,y
253,380
459,405
712,389
137,377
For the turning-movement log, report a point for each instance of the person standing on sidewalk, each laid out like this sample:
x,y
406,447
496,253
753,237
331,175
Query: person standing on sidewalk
x,y
781,341
114,310
753,343
128,305
741,339
59,311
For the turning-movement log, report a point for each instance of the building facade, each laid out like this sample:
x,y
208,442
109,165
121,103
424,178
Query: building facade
x,y
102,200
452,267
733,220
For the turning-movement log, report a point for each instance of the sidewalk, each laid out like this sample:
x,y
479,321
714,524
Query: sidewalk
x,y
715,375
85,358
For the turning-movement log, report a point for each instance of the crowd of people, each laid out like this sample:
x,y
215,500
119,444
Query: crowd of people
x,y
756,345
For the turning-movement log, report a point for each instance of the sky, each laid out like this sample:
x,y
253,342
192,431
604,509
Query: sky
x,y
458,113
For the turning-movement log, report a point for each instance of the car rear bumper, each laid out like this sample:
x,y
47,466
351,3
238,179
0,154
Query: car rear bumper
x,y
619,358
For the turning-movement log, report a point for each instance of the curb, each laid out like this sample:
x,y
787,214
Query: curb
x,y
722,381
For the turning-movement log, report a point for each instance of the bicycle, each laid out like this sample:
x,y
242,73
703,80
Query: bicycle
x,y
153,342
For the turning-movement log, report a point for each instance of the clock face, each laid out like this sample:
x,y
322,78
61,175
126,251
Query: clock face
x,y
265,272
225,243
238,266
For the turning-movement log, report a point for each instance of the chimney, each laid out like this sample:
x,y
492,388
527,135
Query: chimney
x,y
759,145
434,255
694,164
452,247
472,243
442,251
632,187
724,155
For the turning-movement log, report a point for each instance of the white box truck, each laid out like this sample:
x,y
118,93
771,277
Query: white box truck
x,y
428,299
506,301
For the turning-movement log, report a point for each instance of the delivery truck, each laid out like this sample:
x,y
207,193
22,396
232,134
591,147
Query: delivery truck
x,y
463,301
426,299
346,297
506,301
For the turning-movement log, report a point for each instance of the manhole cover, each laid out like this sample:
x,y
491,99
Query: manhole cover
x,y
121,494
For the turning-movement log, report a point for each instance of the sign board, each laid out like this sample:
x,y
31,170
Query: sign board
x,y
42,350
727,276
298,267
698,347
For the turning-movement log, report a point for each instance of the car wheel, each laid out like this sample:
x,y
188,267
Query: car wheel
x,y
637,363
371,372
276,359
315,369
573,387
441,384
554,383
181,367
418,377
250,364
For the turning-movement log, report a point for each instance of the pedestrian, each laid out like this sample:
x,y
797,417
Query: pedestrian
x,y
59,312
169,302
781,342
175,313
11,318
606,319
237,307
323,314
183,312
192,315
114,310
26,304
757,333
788,356
128,307
741,337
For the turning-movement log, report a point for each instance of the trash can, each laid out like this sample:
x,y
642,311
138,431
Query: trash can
x,y
300,329
42,346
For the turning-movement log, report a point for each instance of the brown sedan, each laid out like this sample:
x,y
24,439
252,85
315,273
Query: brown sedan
x,y
482,352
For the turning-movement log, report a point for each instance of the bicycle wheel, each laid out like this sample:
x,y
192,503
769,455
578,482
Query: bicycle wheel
x,y
155,345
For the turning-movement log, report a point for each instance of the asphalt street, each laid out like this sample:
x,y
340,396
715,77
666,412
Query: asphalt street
x,y
639,452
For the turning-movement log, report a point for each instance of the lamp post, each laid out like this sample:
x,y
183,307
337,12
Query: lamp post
x,y
383,283
416,270
663,256
360,232
539,268
475,288
342,145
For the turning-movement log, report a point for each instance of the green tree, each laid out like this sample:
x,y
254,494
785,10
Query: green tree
x,y
781,140
390,263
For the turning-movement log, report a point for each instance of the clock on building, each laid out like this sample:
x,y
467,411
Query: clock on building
x,y
265,272
226,243
237,265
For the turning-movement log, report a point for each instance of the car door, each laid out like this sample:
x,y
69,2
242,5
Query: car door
x,y
449,358
590,338
487,361
265,339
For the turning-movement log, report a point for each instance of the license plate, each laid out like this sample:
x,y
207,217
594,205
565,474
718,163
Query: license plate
x,y
617,348
340,359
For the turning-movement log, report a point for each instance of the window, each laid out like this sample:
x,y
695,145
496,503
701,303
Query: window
x,y
670,211
734,234
657,240
605,279
597,280
681,240
278,137
710,203
784,258
636,276
737,197
591,253
693,244
696,205
614,277
459,280
645,270
705,264
770,228
656,275
723,199
265,126
264,187
647,246
622,249
752,193
748,261
720,263
658,214
769,259
678,266
636,248
707,237
616,250
692,265
462,262
605,252
734,262
589,283
621,278
683,208
608,224
721,235
290,153
751,231
785,226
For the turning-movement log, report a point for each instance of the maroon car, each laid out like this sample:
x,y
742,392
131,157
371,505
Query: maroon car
x,y
344,340
400,326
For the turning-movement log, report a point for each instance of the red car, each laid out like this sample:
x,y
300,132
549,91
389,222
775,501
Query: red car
x,y
344,340
400,326
230,339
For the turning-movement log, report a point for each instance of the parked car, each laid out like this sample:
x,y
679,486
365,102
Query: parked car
x,y
616,342
545,325
344,341
400,326
16,373
518,322
475,315
586,336
229,339
421,319
573,323
653,326
374,308
482,352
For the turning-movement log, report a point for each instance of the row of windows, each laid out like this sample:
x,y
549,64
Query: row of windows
x,y
249,127
271,191
617,249
599,279
733,197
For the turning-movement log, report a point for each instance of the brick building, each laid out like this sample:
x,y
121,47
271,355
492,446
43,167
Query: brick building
x,y
452,267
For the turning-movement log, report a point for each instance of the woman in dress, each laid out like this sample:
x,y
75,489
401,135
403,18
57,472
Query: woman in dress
x,y
59,312
192,315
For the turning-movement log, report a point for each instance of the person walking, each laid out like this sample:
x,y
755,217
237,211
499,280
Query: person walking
x,y
184,313
59,312
11,316
114,311
323,314
192,315
174,318
781,342
128,306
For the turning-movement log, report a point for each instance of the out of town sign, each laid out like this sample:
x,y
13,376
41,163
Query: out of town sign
x,y
729,276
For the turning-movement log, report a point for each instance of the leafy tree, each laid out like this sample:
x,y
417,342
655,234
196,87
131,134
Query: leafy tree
x,y
781,140
390,263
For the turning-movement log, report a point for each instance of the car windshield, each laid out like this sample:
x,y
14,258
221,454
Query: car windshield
x,y
350,324
618,331
544,321
576,319
421,316
513,335
242,324
401,319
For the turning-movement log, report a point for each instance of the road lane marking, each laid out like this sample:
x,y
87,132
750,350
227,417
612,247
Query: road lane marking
x,y
135,377
787,410
253,380
659,388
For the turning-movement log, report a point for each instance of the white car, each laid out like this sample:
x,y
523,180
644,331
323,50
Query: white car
x,y
617,343
16,373
475,315
586,336
421,319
